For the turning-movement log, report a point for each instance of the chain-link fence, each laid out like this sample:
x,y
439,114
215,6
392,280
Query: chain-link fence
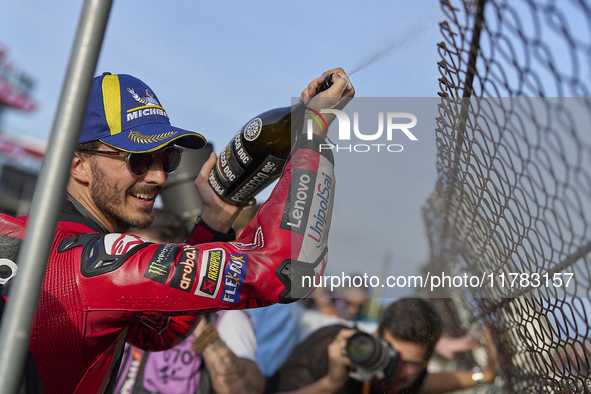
x,y
512,203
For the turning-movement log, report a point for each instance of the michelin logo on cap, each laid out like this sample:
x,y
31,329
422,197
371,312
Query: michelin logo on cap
x,y
147,100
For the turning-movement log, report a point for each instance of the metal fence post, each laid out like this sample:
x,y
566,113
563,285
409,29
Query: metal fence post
x,y
17,321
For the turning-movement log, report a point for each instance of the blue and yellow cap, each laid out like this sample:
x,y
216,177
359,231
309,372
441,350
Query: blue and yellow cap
x,y
123,112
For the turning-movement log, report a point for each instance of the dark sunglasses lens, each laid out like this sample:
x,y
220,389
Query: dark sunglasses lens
x,y
171,158
140,163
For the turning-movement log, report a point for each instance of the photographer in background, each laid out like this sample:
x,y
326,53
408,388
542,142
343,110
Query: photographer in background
x,y
411,326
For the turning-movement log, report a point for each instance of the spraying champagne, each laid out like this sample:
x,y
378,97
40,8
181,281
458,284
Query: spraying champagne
x,y
255,157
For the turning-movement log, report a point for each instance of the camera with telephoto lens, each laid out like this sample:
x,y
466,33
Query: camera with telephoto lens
x,y
373,357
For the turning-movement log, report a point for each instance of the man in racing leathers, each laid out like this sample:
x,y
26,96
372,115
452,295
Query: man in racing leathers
x,y
103,286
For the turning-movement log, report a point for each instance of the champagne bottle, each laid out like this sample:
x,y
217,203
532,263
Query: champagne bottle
x,y
255,157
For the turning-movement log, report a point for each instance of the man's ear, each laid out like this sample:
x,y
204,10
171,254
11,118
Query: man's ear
x,y
80,168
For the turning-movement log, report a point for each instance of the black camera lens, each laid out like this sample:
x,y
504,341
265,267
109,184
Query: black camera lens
x,y
374,357
363,349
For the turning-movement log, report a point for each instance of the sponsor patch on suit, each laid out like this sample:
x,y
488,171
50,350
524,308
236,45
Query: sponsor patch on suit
x,y
185,270
233,278
161,263
212,265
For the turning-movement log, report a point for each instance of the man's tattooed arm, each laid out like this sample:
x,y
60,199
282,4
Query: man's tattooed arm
x,y
231,374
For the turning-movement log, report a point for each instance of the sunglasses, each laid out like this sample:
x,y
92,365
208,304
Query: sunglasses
x,y
139,163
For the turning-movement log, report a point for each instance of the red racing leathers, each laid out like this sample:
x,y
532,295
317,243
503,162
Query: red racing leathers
x,y
100,287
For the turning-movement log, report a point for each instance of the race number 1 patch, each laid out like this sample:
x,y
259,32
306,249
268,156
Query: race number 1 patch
x,y
212,265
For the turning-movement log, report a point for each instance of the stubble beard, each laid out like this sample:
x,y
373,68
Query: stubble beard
x,y
110,200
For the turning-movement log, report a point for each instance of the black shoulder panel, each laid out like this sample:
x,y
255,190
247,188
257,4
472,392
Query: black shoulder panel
x,y
103,253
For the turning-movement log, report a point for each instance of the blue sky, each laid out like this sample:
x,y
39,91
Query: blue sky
x,y
215,65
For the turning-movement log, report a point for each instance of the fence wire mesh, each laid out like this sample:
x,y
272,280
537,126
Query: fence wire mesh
x,y
512,201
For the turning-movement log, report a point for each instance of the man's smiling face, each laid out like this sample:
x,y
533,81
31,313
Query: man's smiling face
x,y
125,200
